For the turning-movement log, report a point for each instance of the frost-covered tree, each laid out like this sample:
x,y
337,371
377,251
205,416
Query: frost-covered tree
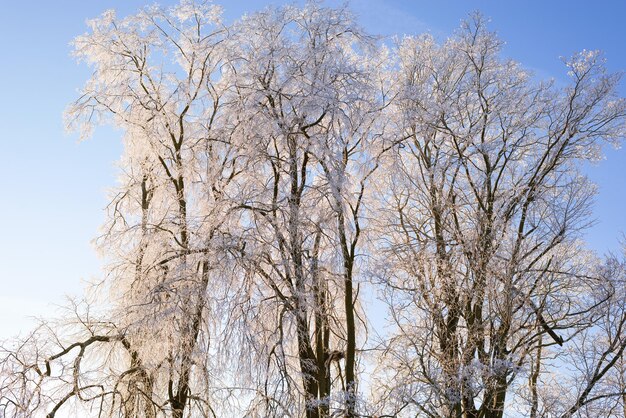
x,y
309,107
158,76
484,208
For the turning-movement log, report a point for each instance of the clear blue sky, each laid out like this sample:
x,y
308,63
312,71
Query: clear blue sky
x,y
54,188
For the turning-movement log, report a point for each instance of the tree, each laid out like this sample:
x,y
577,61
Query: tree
x,y
486,204
166,238
309,110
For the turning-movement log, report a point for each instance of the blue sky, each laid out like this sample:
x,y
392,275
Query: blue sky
x,y
54,188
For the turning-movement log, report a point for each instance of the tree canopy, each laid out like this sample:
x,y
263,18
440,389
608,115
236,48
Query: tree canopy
x,y
287,181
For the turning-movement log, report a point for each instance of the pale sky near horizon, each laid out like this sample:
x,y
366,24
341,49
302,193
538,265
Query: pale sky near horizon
x,y
54,188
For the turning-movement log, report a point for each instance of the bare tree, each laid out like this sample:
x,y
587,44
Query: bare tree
x,y
166,239
310,108
485,209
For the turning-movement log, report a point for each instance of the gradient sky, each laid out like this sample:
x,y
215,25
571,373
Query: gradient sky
x,y
54,188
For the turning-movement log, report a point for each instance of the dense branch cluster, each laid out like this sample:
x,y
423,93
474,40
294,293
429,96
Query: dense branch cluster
x,y
311,223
